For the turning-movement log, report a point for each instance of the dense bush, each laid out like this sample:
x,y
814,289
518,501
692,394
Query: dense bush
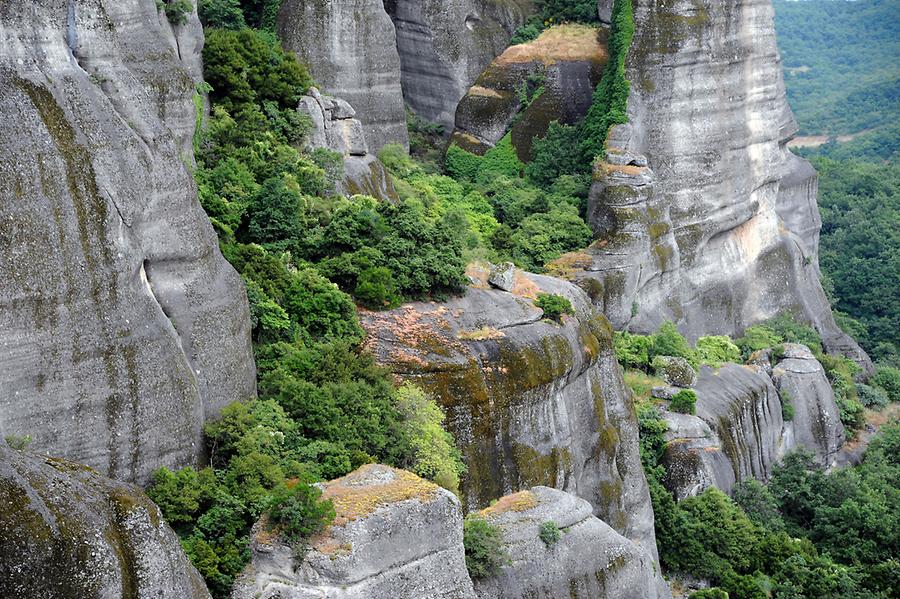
x,y
669,342
872,397
297,513
633,351
177,11
684,402
483,542
715,350
787,405
221,14
549,533
888,378
554,306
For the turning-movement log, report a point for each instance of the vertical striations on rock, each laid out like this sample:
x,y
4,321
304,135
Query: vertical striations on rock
x,y
351,50
720,230
529,401
121,326
444,46
65,531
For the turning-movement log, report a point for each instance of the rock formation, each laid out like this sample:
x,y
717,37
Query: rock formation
x,y
65,531
590,560
529,401
395,535
336,128
739,431
558,70
444,46
351,50
121,326
708,220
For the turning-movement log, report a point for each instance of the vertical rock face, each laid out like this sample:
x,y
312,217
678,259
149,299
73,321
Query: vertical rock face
x,y
529,401
351,50
720,230
67,532
444,46
395,535
121,326
589,560
740,430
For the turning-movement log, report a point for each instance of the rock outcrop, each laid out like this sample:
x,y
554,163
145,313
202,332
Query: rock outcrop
x,y
444,46
336,128
395,535
709,221
531,85
122,328
65,531
589,560
529,401
351,49
740,431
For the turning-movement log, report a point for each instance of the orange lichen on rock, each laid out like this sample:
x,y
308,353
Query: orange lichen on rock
x,y
517,502
372,486
524,287
569,42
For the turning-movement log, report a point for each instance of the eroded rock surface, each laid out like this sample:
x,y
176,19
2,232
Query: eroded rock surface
x,y
122,328
718,229
336,128
444,46
740,431
395,535
590,560
65,531
351,50
531,85
529,401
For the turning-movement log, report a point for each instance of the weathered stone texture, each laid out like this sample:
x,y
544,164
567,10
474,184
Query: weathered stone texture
x,y
351,49
122,328
529,401
723,232
65,531
589,561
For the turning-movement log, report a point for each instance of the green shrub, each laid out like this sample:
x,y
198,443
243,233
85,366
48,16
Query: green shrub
x,y
376,289
462,164
633,351
500,161
652,436
556,154
787,405
221,14
715,350
432,452
554,306
786,326
545,236
713,593
177,11
483,542
18,442
756,338
888,378
872,397
297,513
669,342
549,533
758,503
852,413
684,402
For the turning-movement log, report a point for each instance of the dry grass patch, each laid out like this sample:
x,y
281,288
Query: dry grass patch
x,y
359,494
566,265
570,42
517,502
482,334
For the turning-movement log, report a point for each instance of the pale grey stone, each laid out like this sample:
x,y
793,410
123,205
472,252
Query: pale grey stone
x,y
66,531
122,327
664,392
503,276
675,371
589,561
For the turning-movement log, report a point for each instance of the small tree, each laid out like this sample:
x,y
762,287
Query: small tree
x,y
483,542
554,306
297,513
669,342
684,402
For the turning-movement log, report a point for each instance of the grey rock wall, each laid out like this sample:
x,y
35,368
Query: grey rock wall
x,y
739,431
395,535
351,49
589,561
529,401
720,230
444,46
65,531
122,328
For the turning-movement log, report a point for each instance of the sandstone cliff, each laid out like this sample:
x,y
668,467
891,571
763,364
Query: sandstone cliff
x,y
351,50
529,401
66,532
704,217
444,46
121,326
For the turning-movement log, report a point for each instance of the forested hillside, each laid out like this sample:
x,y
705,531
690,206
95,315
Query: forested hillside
x,y
843,77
